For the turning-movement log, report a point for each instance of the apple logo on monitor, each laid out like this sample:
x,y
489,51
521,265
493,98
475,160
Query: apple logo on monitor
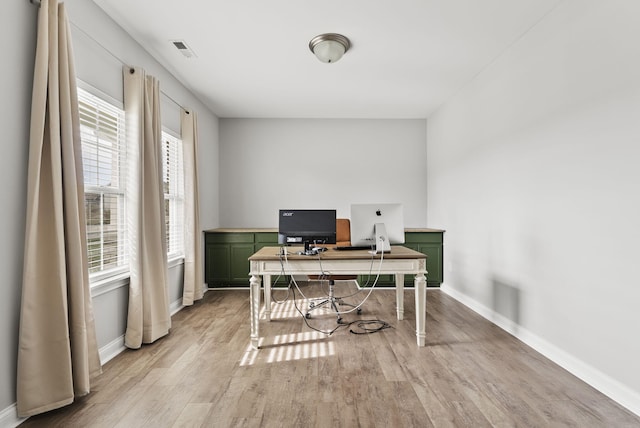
x,y
378,213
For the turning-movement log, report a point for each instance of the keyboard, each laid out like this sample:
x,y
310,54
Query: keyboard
x,y
351,248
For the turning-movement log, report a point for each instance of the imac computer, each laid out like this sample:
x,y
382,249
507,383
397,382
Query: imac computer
x,y
378,225
307,227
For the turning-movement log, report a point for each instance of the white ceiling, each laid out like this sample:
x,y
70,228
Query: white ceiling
x,y
253,60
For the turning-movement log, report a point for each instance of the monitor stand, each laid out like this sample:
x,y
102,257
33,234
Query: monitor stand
x,y
310,248
382,243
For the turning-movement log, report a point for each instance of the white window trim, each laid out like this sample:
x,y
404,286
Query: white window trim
x,y
118,274
98,93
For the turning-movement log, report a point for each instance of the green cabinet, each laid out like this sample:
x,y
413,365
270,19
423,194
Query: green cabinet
x,y
429,243
226,256
227,251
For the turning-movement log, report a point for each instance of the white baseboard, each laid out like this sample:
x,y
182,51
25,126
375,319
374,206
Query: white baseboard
x,y
116,346
175,307
111,350
610,387
9,417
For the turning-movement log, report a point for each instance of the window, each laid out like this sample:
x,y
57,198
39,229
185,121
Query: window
x,y
104,167
173,182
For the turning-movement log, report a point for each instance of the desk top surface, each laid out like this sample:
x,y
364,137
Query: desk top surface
x,y
397,252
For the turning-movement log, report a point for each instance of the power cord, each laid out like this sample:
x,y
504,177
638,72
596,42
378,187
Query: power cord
x,y
362,324
382,325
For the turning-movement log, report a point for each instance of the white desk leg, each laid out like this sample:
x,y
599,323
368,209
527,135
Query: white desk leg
x,y
421,310
254,302
266,284
400,295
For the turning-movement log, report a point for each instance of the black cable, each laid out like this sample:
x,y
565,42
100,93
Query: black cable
x,y
362,324
382,325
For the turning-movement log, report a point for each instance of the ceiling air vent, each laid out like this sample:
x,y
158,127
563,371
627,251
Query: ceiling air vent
x,y
183,48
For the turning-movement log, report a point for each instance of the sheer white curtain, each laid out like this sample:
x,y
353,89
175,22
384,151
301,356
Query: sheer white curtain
x,y
57,353
148,315
193,269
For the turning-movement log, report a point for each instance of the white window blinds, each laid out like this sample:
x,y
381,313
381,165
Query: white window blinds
x,y
104,167
173,182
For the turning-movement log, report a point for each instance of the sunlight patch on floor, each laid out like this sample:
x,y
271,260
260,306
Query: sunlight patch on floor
x,y
290,347
287,310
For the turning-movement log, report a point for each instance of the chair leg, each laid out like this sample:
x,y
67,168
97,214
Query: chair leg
x,y
331,300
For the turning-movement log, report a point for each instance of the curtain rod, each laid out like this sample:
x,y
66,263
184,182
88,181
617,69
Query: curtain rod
x,y
116,57
37,3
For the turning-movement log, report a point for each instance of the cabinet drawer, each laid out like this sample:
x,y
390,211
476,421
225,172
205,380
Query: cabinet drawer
x,y
266,238
229,238
423,237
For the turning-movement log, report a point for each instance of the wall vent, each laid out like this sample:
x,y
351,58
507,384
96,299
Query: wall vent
x,y
183,48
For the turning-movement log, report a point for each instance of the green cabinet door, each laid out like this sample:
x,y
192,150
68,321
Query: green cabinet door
x,y
240,254
226,255
430,244
217,263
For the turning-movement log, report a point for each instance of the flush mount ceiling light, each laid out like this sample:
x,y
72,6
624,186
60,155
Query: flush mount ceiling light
x,y
329,47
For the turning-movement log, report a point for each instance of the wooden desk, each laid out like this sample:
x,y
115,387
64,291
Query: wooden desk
x,y
400,261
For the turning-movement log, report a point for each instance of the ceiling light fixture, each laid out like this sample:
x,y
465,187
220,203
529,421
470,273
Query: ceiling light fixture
x,y
329,47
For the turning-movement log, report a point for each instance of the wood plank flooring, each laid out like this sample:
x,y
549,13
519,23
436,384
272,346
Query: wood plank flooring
x,y
204,374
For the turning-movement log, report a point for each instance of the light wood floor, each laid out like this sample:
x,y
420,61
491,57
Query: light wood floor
x,y
470,374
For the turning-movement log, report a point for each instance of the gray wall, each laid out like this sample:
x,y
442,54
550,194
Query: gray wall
x,y
533,170
269,164
16,23
97,39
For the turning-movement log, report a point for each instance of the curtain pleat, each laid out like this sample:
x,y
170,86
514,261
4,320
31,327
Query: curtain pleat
x,y
57,352
148,313
193,269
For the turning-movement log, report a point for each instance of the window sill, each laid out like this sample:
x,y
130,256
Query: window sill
x,y
175,261
107,284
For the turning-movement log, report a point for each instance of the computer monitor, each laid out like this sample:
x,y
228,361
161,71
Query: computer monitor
x,y
378,225
307,227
